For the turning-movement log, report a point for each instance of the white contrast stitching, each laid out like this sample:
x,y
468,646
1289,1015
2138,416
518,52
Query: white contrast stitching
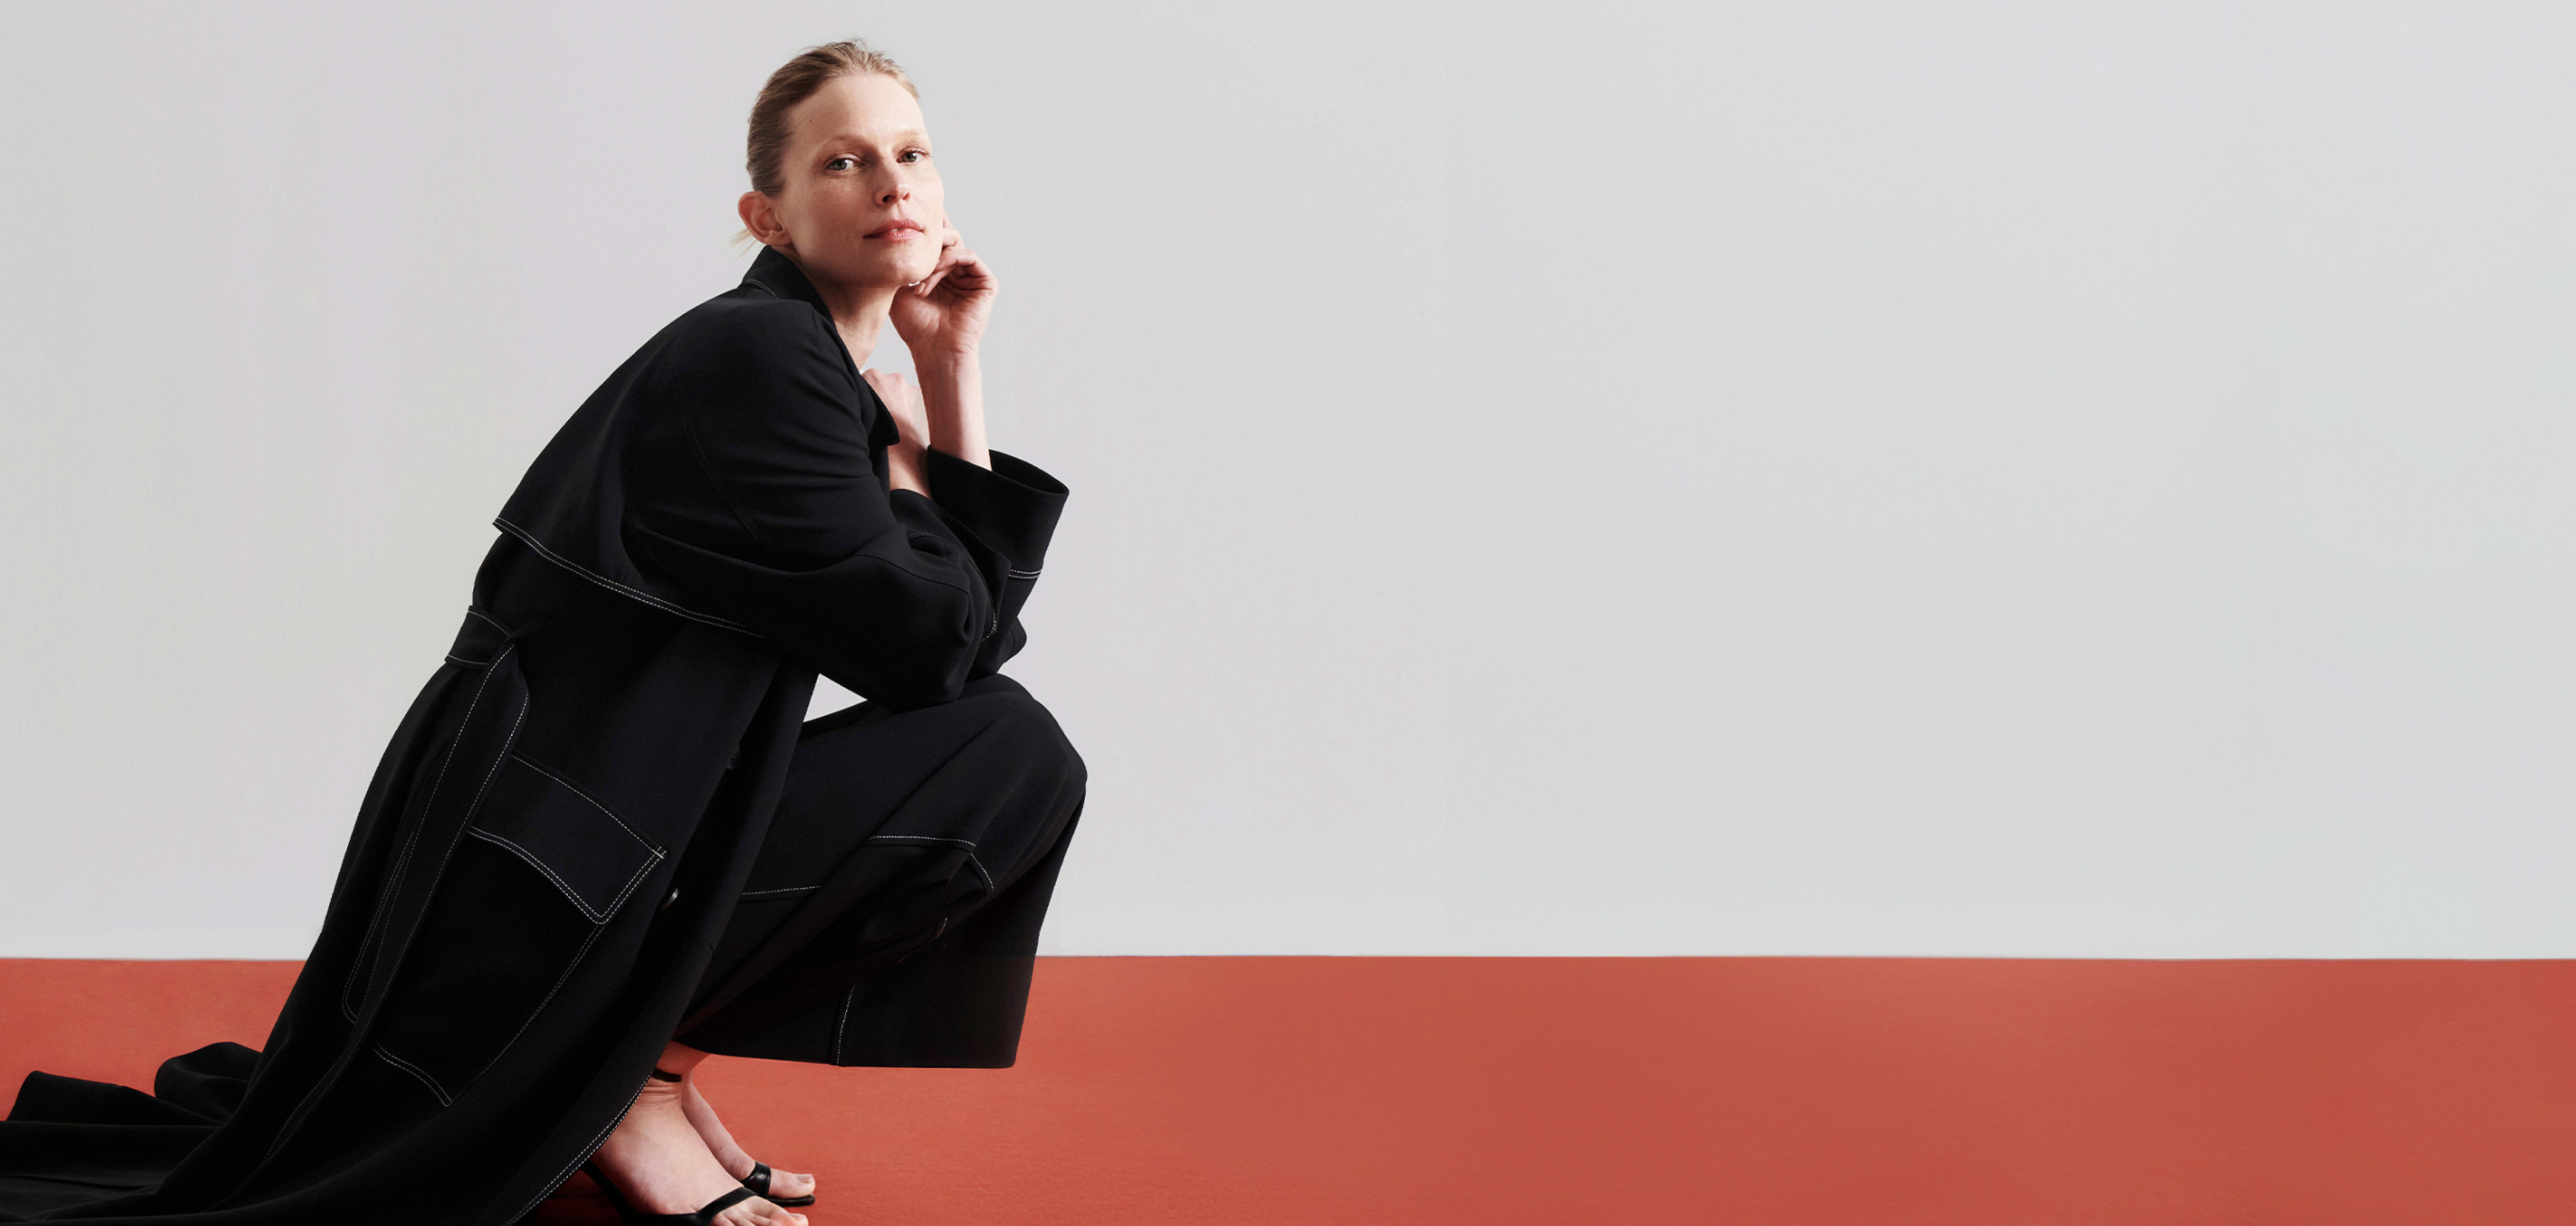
x,y
596,917
613,585
497,764
632,882
844,1026
415,1070
302,1113
565,1172
402,863
560,980
533,862
649,844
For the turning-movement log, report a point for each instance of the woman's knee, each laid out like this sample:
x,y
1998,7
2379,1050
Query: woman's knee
x,y
1032,730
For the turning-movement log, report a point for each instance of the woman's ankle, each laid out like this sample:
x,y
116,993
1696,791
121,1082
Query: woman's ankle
x,y
678,1060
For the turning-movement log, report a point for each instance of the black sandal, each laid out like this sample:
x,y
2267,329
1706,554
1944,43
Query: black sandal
x,y
757,1182
705,1216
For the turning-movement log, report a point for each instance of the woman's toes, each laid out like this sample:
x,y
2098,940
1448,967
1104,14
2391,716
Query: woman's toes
x,y
757,1212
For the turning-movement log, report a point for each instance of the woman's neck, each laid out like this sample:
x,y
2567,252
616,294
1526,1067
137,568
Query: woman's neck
x,y
858,313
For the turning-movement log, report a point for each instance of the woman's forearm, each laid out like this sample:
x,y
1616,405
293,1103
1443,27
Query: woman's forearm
x,y
952,393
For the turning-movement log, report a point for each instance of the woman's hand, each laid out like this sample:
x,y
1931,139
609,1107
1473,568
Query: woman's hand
x,y
941,317
904,462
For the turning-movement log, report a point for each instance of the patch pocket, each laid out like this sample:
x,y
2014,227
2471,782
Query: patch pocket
x,y
543,868
591,855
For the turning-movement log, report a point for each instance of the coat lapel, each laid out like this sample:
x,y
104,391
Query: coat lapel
x,y
772,272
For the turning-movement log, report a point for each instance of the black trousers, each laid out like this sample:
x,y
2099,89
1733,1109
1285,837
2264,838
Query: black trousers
x,y
893,913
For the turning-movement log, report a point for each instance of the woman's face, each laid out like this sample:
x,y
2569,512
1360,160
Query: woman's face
x,y
857,167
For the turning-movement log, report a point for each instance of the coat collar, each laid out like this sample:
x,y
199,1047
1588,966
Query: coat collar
x,y
571,506
773,271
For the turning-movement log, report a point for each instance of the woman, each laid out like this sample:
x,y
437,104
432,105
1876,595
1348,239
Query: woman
x,y
603,842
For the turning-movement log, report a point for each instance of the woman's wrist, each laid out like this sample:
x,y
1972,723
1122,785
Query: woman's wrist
x,y
907,468
952,394
926,358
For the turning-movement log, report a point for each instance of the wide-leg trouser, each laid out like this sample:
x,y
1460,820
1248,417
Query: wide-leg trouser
x,y
893,912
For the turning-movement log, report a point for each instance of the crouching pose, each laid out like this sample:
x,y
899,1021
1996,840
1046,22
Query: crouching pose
x,y
604,841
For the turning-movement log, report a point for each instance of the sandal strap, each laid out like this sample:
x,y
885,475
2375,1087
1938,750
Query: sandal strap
x,y
706,1214
626,1212
659,1075
759,1181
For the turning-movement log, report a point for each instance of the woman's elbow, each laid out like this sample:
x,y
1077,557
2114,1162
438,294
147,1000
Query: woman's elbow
x,y
920,674
911,685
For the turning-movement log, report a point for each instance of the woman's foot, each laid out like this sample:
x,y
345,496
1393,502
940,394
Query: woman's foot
x,y
729,1155
659,1165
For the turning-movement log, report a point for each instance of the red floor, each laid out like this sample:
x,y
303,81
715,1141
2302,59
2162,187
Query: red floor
x,y
1703,1090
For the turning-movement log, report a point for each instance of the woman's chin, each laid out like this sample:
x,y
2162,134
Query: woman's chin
x,y
865,270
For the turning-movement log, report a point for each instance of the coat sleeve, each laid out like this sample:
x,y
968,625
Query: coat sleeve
x,y
751,487
1012,507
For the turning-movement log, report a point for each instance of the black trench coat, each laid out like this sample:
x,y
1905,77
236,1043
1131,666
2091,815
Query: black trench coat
x,y
555,837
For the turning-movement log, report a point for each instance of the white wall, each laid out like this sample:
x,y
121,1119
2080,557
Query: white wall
x,y
1845,478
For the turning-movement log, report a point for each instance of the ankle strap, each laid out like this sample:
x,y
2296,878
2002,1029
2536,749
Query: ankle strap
x,y
659,1075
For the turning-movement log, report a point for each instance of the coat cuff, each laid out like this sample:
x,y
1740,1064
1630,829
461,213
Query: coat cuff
x,y
1013,505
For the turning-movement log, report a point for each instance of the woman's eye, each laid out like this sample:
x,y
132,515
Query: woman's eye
x,y
834,162
915,154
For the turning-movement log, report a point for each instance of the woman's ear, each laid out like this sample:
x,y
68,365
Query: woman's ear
x,y
759,218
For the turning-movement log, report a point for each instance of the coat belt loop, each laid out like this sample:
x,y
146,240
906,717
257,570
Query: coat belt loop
x,y
480,640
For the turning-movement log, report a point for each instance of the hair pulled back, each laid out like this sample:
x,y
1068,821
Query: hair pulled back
x,y
765,153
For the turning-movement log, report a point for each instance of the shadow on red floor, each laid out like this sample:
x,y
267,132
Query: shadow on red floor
x,y
1492,1091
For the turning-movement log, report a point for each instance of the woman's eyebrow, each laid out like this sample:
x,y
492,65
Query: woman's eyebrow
x,y
908,134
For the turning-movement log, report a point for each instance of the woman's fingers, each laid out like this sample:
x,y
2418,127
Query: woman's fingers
x,y
952,245
959,262
903,400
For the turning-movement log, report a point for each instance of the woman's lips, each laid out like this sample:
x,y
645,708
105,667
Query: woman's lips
x,y
897,233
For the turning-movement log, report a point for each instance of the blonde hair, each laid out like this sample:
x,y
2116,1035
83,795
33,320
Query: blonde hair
x,y
765,153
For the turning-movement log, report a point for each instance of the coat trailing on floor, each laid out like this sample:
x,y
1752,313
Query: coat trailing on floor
x,y
555,839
